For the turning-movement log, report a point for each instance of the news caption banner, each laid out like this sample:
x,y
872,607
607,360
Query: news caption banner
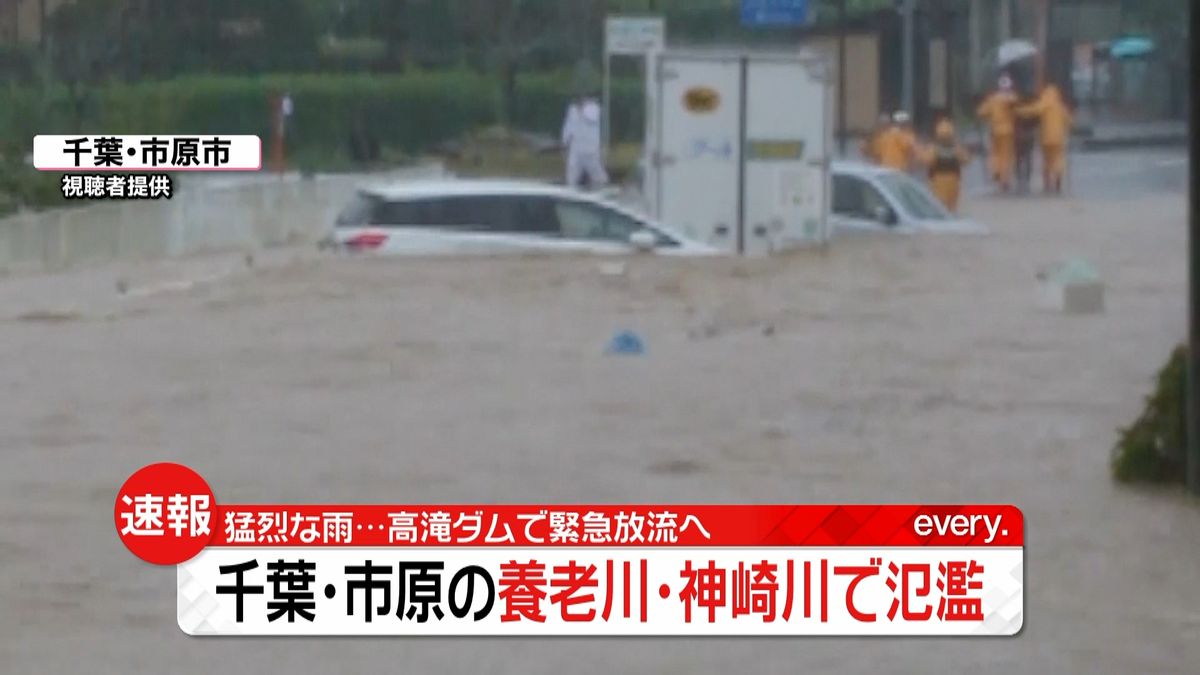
x,y
135,167
599,570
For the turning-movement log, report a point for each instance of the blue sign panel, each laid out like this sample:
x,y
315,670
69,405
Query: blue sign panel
x,y
774,12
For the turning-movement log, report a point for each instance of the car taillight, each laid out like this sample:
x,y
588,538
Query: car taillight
x,y
367,241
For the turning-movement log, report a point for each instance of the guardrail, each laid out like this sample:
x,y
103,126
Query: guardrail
x,y
205,215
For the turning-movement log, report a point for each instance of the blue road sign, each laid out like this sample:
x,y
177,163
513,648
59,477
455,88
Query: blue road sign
x,y
774,12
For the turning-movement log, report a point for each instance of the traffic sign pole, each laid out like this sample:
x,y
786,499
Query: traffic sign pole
x,y
842,77
1193,352
906,92
627,36
607,126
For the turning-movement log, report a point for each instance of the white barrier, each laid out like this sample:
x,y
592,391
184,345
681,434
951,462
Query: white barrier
x,y
203,216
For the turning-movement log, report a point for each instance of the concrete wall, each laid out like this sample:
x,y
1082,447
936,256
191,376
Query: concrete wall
x,y
208,215
862,77
1081,23
21,20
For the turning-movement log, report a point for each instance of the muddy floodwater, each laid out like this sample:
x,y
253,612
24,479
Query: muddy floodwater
x,y
883,370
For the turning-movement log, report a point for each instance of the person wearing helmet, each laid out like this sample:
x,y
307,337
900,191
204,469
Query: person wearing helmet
x,y
905,123
997,111
1055,122
945,160
897,145
870,145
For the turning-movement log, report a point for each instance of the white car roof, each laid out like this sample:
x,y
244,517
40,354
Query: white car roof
x,y
434,188
475,187
851,168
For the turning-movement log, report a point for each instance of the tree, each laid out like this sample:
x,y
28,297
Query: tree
x,y
133,39
1165,21
500,34
85,48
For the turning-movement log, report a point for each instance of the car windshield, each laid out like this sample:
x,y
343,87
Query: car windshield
x,y
583,220
359,212
915,199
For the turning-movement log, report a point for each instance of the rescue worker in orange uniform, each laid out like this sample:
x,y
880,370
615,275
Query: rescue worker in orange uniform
x,y
997,110
1055,121
945,160
909,135
897,145
870,145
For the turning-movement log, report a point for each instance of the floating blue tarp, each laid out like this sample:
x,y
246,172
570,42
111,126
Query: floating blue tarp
x,y
627,343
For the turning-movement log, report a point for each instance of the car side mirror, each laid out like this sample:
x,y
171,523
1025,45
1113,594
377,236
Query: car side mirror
x,y
885,215
643,240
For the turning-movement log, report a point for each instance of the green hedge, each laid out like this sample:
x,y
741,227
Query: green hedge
x,y
23,186
407,113
1151,450
541,103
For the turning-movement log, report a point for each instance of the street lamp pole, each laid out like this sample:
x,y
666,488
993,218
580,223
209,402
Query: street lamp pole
x,y
42,26
842,77
906,93
1042,35
1193,352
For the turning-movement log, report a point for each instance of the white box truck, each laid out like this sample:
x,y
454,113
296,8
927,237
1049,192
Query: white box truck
x,y
738,147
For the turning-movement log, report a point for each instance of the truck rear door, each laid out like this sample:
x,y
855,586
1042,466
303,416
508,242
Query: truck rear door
x,y
698,154
740,156
787,153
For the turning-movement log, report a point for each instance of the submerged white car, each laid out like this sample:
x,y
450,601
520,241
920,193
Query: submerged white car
x,y
869,198
490,217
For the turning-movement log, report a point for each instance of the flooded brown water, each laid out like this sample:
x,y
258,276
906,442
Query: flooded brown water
x,y
884,370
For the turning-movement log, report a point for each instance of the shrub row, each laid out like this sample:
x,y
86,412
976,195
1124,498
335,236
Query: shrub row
x,y
541,99
22,186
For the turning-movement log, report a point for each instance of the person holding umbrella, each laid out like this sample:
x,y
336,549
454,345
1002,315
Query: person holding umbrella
x,y
997,112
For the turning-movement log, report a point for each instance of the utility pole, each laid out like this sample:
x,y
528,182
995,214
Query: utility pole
x,y
1042,36
42,26
842,77
906,92
1193,352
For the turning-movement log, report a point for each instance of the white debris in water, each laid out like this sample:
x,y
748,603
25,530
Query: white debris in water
x,y
1071,287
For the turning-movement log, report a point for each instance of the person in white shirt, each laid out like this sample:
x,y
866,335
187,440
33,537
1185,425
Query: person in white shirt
x,y
569,124
286,108
581,136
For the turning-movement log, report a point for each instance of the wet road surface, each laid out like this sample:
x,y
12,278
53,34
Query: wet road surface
x,y
896,370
